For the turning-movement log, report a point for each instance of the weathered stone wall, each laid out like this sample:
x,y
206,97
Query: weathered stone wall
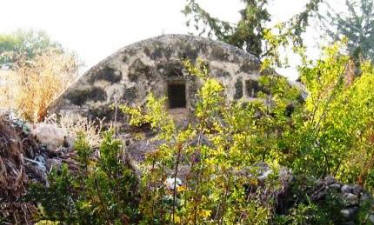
x,y
129,75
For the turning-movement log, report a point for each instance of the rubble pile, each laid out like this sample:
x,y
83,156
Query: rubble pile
x,y
24,160
354,198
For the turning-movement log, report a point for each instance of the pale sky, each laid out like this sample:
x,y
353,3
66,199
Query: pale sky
x,y
94,29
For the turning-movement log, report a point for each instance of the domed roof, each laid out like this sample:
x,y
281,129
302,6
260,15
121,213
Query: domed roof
x,y
131,73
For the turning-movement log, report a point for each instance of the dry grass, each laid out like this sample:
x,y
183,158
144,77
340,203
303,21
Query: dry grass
x,y
33,85
75,124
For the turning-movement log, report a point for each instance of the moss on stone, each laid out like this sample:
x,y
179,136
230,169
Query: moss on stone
x,y
156,53
168,52
130,52
189,52
106,112
219,53
159,51
170,69
108,74
147,52
125,58
136,69
80,96
220,73
129,94
248,67
238,88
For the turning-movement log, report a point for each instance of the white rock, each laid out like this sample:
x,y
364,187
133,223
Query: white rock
x,y
349,213
169,183
356,189
346,188
335,186
351,199
264,175
50,135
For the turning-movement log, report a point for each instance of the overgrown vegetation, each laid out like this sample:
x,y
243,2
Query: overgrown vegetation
x,y
231,164
253,32
32,84
356,25
103,191
27,44
223,150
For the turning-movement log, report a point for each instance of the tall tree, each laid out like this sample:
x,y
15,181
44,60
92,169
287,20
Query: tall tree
x,y
357,25
27,44
247,33
251,32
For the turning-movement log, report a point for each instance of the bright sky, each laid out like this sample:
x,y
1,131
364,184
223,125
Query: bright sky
x,y
95,29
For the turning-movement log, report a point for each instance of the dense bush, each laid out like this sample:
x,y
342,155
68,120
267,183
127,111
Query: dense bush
x,y
102,192
328,133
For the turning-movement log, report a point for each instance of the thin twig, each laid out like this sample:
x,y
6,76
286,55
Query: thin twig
x,y
179,146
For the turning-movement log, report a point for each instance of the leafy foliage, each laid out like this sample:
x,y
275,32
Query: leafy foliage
x,y
26,44
102,192
212,190
209,172
228,139
253,32
356,25
249,31
338,132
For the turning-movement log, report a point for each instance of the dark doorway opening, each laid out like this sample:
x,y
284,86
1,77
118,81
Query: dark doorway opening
x,y
252,87
177,95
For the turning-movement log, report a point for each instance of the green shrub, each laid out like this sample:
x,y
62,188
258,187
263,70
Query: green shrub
x,y
328,134
104,191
